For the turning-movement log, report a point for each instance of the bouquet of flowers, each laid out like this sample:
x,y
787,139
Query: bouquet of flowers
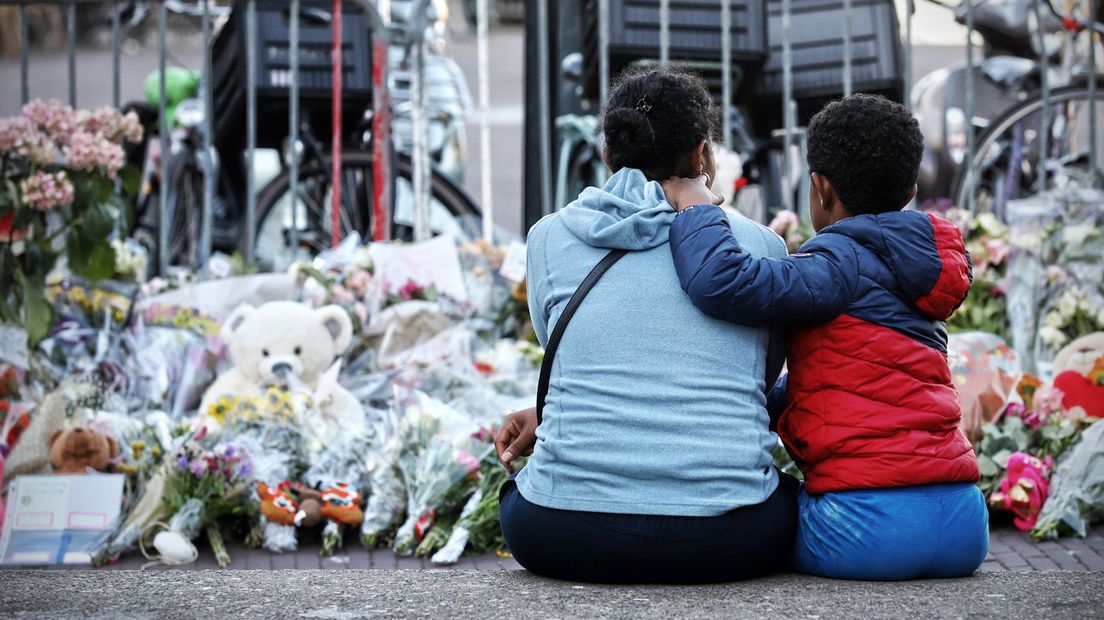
x,y
439,463
478,527
1077,489
788,225
1055,282
61,165
219,481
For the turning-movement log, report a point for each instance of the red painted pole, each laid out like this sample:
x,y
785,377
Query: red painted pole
x,y
338,80
381,144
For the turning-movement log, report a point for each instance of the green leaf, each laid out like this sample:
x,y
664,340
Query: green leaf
x,y
101,263
987,467
130,178
38,314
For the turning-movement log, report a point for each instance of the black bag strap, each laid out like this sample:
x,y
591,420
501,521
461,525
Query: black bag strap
x,y
565,317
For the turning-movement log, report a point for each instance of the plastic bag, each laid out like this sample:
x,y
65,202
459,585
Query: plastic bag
x,y
1076,489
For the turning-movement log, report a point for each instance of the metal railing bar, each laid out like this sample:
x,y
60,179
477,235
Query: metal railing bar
x,y
163,219
24,56
293,126
1044,84
603,50
481,34
71,45
969,96
787,98
1093,155
250,128
419,126
726,70
909,8
665,31
848,13
544,94
337,83
207,217
116,86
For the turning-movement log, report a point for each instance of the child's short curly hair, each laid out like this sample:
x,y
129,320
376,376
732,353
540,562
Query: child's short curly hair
x,y
869,148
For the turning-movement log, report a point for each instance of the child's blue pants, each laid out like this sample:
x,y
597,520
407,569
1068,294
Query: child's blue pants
x,y
937,530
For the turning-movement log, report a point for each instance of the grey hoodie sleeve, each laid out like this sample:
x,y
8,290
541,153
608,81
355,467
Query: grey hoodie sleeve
x,y
535,274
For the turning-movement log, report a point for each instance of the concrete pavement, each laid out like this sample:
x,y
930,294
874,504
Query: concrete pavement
x,y
369,593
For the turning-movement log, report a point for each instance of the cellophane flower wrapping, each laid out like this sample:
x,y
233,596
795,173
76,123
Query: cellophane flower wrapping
x,y
1076,490
985,371
1056,284
173,355
478,527
439,462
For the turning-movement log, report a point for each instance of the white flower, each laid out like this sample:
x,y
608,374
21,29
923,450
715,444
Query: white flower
x,y
990,225
1054,320
1051,337
1076,234
1067,304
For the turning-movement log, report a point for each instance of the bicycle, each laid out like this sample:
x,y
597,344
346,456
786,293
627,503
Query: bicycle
x,y
1008,161
276,243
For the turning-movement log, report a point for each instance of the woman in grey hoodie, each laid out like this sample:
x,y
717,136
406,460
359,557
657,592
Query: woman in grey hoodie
x,y
653,459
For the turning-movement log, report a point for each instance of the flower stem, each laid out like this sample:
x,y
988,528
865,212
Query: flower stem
x,y
214,537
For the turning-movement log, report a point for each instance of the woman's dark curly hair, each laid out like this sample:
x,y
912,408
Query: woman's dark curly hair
x,y
869,148
654,118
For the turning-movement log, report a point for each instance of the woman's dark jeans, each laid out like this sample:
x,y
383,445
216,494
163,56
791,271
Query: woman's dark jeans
x,y
624,548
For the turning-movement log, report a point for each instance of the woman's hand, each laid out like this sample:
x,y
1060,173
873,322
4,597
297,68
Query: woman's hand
x,y
683,193
517,436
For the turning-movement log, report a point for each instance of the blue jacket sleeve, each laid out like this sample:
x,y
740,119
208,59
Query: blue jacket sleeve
x,y
728,283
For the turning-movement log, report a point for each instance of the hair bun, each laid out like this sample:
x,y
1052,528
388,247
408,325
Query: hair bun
x,y
630,134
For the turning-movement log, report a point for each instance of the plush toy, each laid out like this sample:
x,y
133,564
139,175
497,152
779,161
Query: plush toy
x,y
296,505
74,450
1079,375
31,455
1024,489
281,342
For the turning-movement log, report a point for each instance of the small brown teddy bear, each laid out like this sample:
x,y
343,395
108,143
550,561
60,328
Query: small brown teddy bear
x,y
74,450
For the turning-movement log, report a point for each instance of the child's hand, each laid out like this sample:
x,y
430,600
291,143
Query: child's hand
x,y
683,193
517,436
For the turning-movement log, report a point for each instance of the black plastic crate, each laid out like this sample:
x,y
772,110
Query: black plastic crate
x,y
695,37
273,54
817,28
695,32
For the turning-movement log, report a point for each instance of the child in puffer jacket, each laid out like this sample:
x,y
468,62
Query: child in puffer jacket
x,y
872,418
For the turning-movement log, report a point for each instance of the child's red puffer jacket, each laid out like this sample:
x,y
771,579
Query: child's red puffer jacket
x,y
871,402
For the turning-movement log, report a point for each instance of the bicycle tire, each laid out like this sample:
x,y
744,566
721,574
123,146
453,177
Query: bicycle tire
x,y
1004,122
442,188
186,209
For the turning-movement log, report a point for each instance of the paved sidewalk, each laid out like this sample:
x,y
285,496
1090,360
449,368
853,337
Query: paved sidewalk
x,y
517,594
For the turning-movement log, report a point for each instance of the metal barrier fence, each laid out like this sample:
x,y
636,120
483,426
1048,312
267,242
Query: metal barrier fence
x,y
790,133
378,12
378,16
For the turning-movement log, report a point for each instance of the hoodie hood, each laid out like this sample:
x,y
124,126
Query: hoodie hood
x,y
628,213
925,253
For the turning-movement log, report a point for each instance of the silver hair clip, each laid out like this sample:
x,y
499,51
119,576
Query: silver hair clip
x,y
644,105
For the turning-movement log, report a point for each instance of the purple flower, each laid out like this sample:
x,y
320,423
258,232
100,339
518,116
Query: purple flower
x,y
198,467
182,462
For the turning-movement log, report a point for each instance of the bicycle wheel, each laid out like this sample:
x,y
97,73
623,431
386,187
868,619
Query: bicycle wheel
x,y
185,207
1006,162
451,209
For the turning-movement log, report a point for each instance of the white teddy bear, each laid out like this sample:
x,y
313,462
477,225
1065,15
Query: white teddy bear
x,y
284,339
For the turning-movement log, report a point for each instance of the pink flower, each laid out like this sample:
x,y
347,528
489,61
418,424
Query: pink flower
x,y
784,222
1048,400
198,466
43,191
998,251
361,312
109,124
1032,419
341,294
359,281
52,117
89,152
410,291
468,462
22,137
